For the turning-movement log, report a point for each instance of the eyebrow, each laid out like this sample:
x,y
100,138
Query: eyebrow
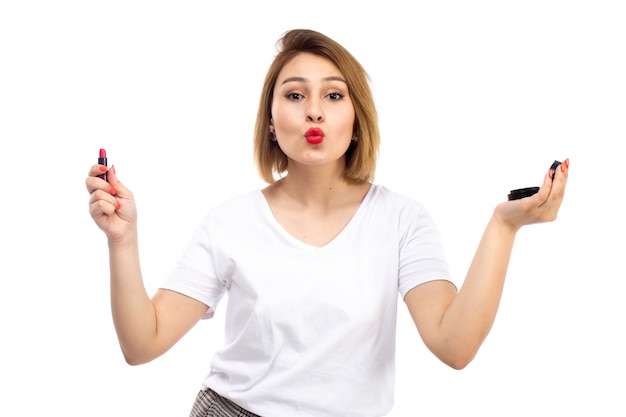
x,y
304,80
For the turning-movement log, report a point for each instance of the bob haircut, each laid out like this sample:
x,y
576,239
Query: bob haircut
x,y
362,154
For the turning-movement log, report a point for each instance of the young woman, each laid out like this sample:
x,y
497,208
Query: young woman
x,y
313,263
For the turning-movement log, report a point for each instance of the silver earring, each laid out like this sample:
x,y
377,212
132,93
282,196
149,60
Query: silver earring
x,y
355,139
272,136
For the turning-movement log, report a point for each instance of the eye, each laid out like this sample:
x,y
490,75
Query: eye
x,y
335,96
294,96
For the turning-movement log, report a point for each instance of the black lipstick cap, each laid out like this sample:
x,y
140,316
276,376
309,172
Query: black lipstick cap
x,y
527,192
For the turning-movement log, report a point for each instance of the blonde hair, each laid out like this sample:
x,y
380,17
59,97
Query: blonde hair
x,y
362,154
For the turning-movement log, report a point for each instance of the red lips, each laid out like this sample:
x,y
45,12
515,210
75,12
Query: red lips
x,y
314,135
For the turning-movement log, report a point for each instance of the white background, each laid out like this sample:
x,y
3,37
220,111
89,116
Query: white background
x,y
475,98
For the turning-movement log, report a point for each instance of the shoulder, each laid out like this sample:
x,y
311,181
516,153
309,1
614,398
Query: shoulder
x,y
235,209
237,203
409,215
392,200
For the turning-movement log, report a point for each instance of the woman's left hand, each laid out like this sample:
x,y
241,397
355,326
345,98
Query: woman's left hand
x,y
540,207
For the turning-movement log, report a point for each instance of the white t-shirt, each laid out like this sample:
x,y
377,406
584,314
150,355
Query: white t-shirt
x,y
310,331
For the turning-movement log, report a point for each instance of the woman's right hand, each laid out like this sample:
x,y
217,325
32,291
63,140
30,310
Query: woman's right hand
x,y
111,205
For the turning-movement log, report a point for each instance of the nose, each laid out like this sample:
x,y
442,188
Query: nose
x,y
317,118
314,111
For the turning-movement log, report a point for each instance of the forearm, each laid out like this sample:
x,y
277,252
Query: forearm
x,y
133,313
470,316
454,324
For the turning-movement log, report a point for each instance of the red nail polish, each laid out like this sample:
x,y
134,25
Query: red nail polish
x,y
551,174
563,166
118,205
566,163
112,191
102,168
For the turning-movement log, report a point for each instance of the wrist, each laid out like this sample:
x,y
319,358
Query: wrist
x,y
503,225
126,241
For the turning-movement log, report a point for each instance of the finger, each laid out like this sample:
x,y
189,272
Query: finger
x,y
560,179
546,187
102,203
562,171
117,188
94,183
100,208
94,179
97,170
104,196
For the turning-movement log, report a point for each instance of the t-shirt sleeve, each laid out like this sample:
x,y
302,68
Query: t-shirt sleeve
x,y
422,258
195,274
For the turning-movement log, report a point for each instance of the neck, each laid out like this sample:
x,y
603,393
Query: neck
x,y
319,187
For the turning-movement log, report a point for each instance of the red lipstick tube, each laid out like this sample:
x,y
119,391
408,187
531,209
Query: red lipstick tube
x,y
102,160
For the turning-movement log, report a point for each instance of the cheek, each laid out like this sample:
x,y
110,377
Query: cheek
x,y
347,112
348,118
283,119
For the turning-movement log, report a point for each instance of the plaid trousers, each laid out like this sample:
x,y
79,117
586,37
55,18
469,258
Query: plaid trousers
x,y
211,404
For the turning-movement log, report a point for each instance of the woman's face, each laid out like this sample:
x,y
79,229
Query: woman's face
x,y
312,113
